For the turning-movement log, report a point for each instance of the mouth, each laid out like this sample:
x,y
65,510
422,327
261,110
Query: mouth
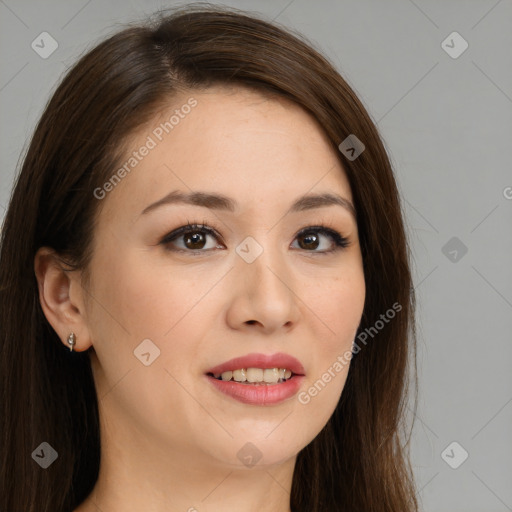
x,y
258,379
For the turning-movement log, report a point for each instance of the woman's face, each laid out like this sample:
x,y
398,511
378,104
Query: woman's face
x,y
164,310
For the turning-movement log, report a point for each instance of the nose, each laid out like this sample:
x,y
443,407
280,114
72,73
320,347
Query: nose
x,y
263,294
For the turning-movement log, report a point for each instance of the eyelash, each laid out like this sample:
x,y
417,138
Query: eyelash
x,y
340,242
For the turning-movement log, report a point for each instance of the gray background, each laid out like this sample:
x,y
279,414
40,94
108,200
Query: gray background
x,y
447,125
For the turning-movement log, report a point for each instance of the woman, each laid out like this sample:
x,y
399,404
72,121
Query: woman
x,y
205,229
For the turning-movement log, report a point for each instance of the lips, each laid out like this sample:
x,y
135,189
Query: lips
x,y
278,360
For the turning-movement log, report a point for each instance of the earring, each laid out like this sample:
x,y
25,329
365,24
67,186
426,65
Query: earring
x,y
71,341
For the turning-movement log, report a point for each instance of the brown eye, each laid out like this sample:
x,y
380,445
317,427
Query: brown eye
x,y
195,240
310,241
194,237
311,238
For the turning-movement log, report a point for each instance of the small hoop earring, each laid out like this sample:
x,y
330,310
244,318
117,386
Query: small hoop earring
x,y
71,341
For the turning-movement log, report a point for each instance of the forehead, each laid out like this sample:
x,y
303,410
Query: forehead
x,y
252,147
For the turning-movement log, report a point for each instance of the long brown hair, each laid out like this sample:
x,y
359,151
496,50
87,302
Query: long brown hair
x,y
359,461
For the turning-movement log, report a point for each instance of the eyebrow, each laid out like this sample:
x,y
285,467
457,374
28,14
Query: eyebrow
x,y
221,202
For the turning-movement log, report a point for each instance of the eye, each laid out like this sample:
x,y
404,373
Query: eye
x,y
194,237
311,240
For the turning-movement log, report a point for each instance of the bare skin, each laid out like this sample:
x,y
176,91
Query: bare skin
x,y
169,438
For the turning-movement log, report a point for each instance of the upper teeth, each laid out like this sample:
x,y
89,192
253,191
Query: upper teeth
x,y
255,374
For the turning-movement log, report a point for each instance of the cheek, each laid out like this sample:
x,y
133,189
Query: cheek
x,y
152,300
147,300
136,301
337,309
338,305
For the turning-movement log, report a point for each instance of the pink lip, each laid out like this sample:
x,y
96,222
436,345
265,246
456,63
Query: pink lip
x,y
258,394
279,360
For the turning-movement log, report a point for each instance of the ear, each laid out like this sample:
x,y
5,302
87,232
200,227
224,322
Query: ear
x,y
61,297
